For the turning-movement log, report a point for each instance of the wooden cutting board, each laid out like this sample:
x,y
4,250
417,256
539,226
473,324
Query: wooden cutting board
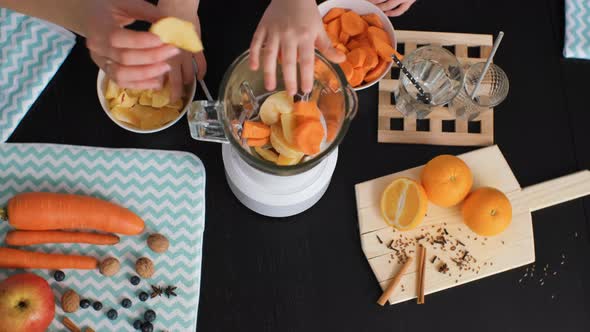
x,y
467,256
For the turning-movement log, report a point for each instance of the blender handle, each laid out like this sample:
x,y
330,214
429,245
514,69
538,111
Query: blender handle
x,y
204,122
353,101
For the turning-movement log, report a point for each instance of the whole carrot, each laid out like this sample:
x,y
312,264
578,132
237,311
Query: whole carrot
x,y
21,259
40,211
26,238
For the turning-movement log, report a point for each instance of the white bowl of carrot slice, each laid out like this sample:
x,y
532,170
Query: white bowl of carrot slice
x,y
364,34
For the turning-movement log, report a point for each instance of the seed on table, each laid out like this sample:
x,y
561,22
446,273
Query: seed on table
x,y
149,316
134,280
137,325
147,327
143,296
112,314
126,303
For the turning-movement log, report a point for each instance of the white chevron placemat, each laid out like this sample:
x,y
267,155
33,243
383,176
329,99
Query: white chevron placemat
x,y
31,51
167,189
577,29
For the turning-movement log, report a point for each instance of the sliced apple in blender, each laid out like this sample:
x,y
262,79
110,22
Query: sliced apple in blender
x,y
288,123
286,161
279,143
267,154
275,105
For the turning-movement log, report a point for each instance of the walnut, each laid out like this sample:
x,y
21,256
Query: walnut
x,y
70,301
145,267
158,243
109,266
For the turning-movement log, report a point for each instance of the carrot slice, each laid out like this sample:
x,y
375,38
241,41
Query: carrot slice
x,y
306,110
344,37
357,77
372,59
26,238
346,69
373,19
257,142
22,259
374,32
353,24
341,48
363,41
383,49
333,14
334,27
376,72
255,129
308,136
356,57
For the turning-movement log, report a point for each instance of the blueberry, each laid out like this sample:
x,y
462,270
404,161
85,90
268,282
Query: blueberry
x,y
59,275
84,304
147,327
126,303
143,296
137,325
149,316
112,314
97,306
134,280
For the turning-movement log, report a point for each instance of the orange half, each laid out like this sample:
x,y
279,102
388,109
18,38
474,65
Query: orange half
x,y
403,204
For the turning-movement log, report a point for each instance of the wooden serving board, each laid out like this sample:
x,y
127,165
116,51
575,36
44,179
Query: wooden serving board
x,y
385,247
440,128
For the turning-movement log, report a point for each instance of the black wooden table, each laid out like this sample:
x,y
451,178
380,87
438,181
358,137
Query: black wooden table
x,y
308,273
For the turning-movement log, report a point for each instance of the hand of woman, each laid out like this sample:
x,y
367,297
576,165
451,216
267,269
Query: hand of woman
x,y
393,7
292,29
133,59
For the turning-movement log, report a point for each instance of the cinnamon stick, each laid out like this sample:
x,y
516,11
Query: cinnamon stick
x,y
70,325
391,287
421,269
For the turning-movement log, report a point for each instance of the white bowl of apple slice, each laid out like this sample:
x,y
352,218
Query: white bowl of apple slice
x,y
142,111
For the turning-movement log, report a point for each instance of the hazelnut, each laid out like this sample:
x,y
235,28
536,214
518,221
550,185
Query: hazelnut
x,y
158,243
70,301
145,267
109,266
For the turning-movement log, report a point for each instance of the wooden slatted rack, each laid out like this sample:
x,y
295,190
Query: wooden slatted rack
x,y
440,128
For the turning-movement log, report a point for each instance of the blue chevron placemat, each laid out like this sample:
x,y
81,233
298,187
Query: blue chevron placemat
x,y
167,189
31,51
577,29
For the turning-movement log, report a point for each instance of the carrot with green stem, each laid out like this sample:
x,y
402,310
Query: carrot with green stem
x,y
26,238
41,211
22,259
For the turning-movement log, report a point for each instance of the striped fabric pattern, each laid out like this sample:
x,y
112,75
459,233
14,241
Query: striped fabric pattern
x,y
167,189
31,51
577,29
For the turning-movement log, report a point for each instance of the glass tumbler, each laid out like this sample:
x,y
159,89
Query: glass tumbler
x,y
491,92
437,71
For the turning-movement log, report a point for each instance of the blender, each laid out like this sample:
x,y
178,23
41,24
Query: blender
x,y
261,185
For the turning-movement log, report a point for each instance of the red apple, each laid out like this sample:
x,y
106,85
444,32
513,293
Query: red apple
x,y
26,304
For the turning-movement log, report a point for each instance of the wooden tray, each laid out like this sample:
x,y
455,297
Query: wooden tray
x,y
486,256
440,128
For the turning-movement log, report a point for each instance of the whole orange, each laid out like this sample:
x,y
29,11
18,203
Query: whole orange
x,y
447,180
487,211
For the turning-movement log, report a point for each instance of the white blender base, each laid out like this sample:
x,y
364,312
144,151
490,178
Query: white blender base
x,y
273,195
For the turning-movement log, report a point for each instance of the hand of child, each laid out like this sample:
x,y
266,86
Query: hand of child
x,y
133,59
182,71
291,30
393,7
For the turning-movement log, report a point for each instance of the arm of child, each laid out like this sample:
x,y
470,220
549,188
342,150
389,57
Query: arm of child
x,y
393,7
133,59
292,29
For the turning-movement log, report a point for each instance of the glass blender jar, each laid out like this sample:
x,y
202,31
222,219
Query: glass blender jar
x,y
261,185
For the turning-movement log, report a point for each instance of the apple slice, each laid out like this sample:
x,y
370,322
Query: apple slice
x,y
152,118
124,114
279,143
267,154
275,105
286,161
161,98
124,100
112,90
288,123
179,33
145,99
